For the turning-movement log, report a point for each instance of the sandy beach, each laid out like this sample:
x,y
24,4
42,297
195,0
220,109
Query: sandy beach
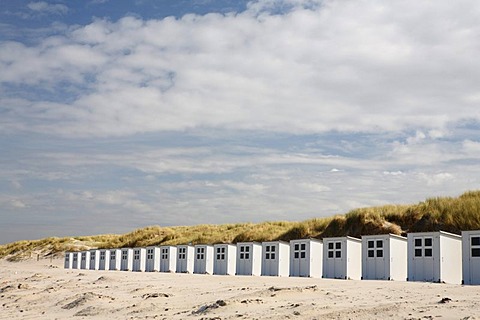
x,y
44,290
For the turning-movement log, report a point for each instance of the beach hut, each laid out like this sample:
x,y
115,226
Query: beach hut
x,y
275,259
168,259
249,258
85,260
94,259
434,257
127,259
76,258
68,262
115,259
185,258
342,258
471,257
203,259
139,259
384,257
306,258
153,259
225,258
104,263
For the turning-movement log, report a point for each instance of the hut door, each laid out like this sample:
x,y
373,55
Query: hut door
x,y
475,259
221,261
245,260
164,259
335,261
271,261
182,259
202,266
299,261
376,260
423,259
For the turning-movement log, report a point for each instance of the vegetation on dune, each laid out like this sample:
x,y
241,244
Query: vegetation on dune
x,y
434,214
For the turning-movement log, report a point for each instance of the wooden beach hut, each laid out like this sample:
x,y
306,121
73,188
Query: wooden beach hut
x,y
249,258
153,259
203,259
76,260
139,259
115,259
384,257
342,258
94,259
306,258
185,258
168,259
225,258
471,257
68,261
104,263
127,259
435,257
85,260
275,259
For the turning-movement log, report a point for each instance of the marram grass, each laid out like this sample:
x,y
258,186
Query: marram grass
x,y
434,214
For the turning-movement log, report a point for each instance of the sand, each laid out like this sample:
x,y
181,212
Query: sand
x,y
44,290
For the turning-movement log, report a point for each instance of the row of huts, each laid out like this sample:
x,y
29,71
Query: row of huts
x,y
427,256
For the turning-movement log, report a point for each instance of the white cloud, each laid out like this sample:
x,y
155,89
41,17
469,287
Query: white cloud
x,y
44,7
355,66
18,204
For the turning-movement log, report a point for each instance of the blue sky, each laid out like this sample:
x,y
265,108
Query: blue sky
x,y
122,114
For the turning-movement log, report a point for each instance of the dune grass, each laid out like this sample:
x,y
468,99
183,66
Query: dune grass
x,y
434,214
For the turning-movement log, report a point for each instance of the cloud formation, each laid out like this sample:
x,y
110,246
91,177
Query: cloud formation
x,y
287,110
45,7
350,66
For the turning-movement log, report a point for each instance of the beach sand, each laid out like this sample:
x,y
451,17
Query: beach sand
x,y
44,290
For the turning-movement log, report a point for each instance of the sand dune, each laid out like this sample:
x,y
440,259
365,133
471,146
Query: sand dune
x,y
44,290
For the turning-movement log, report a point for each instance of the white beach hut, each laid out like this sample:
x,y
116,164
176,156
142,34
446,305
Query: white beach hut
x,y
306,258
185,258
153,259
139,259
384,257
127,259
471,257
85,260
435,257
94,259
249,258
225,258
76,260
168,259
104,263
275,259
68,262
203,259
342,258
115,259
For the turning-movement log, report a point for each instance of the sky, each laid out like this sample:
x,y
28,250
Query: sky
x,y
115,115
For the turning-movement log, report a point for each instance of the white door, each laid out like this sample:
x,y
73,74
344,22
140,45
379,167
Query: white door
x,y
271,261
244,260
474,259
164,259
221,259
300,263
376,260
182,260
423,259
200,264
336,260
150,261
